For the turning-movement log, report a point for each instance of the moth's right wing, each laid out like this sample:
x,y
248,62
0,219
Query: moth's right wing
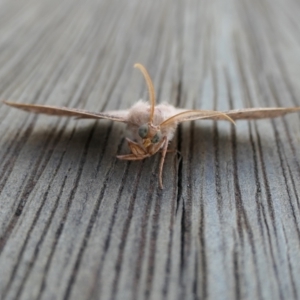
x,y
119,116
260,113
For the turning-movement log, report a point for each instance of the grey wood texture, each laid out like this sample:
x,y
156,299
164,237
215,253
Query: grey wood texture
x,y
76,223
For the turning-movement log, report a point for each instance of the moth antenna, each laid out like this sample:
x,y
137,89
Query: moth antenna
x,y
150,88
191,115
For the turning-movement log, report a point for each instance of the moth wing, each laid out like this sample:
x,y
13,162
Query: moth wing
x,y
120,116
260,113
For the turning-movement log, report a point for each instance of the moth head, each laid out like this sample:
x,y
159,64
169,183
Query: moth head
x,y
150,134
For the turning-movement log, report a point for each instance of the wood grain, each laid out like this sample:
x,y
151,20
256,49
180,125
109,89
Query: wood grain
x,y
76,223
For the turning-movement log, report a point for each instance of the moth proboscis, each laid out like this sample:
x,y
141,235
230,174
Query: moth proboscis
x,y
153,126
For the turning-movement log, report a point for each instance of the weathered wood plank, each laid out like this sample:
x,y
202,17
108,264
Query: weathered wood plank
x,y
76,223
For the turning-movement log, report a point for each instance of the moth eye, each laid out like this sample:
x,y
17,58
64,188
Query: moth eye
x,y
143,131
156,138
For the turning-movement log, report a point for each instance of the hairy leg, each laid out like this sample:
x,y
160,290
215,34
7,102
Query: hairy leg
x,y
132,157
162,160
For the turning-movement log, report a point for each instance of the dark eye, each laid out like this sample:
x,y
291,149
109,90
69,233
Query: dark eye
x,y
156,138
143,131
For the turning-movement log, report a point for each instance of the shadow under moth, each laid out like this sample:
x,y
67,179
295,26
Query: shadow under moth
x,y
153,126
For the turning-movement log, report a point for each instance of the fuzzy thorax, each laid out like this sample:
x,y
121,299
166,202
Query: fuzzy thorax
x,y
139,114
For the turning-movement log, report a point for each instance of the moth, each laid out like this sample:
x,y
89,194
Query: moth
x,y
153,126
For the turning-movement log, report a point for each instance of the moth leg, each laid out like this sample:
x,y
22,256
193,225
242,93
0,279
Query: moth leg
x,y
162,160
136,148
132,157
138,152
154,148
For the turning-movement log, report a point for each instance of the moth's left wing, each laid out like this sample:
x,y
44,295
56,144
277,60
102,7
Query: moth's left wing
x,y
120,116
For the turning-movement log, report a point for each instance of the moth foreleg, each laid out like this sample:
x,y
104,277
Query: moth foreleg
x,y
136,148
132,157
162,160
154,148
138,152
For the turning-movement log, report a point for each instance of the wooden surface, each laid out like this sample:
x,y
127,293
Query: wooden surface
x,y
76,223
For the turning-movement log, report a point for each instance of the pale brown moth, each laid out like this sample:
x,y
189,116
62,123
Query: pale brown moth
x,y
153,126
